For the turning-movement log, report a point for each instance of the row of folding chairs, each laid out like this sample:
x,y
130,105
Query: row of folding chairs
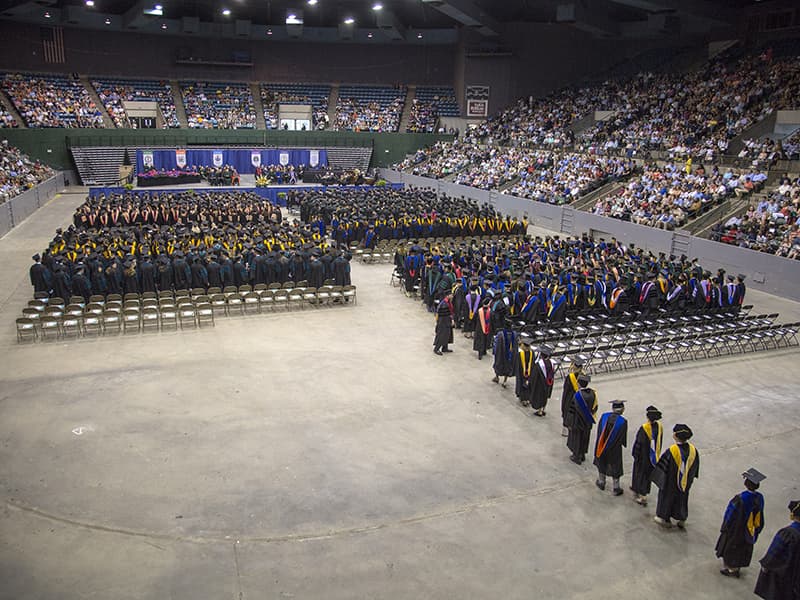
x,y
637,349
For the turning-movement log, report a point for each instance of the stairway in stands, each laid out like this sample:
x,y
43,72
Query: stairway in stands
x,y
98,165
258,106
11,109
107,122
332,101
349,158
180,109
406,116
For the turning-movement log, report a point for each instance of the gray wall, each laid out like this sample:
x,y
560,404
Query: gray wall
x,y
19,208
765,272
153,56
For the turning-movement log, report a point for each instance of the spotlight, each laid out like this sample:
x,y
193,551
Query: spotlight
x,y
349,21
47,15
163,26
269,31
226,12
108,21
419,36
158,7
89,3
369,35
312,2
377,6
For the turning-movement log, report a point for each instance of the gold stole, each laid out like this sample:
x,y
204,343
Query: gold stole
x,y
683,468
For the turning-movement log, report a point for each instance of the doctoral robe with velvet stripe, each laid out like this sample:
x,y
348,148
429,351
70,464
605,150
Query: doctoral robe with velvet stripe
x,y
779,578
743,521
580,426
673,502
642,464
608,455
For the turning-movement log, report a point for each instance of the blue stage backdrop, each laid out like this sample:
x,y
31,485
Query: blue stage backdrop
x,y
241,159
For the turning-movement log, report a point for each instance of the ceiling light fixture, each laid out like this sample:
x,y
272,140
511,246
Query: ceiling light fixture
x,y
312,2
47,15
226,12
89,3
108,21
158,7
377,6
419,36
269,31
369,35
163,26
349,21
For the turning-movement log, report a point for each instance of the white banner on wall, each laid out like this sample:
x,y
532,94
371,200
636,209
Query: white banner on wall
x,y
217,158
313,158
180,158
147,158
255,158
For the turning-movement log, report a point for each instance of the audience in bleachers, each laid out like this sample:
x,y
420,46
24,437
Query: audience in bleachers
x,y
6,118
769,225
112,93
218,105
429,104
666,196
370,108
274,94
51,101
18,172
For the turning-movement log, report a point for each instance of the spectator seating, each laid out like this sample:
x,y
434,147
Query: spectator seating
x,y
112,92
6,118
429,104
18,172
218,105
370,108
317,95
51,101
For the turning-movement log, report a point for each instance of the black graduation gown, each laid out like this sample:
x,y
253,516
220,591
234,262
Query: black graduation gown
x,y
214,277
147,271
471,299
524,360
199,275
566,399
183,274
505,348
316,274
81,286
459,305
40,278
131,281
339,267
609,462
672,501
779,578
61,284
541,382
444,326
735,544
482,341
642,466
580,429
164,275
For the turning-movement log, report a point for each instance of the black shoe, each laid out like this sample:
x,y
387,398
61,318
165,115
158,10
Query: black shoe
x,y
618,492
575,459
439,352
730,573
446,350
600,485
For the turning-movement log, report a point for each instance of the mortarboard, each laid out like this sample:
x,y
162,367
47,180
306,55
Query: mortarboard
x,y
682,432
617,404
584,379
754,475
653,413
794,508
545,349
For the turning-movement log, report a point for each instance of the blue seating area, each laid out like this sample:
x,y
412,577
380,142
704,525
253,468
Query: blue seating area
x,y
112,92
430,103
370,108
213,105
315,94
51,100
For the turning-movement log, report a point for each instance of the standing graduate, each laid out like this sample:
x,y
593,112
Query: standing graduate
x,y
646,450
542,380
741,525
504,349
483,329
40,275
779,578
581,413
471,305
675,471
524,370
444,326
570,387
612,435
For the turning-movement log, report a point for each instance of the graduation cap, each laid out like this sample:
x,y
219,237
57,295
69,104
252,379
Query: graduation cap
x,y
682,432
525,339
740,277
36,258
794,508
617,404
545,350
584,379
653,413
754,475
578,362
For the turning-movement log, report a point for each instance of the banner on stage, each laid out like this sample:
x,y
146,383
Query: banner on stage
x,y
255,158
217,158
180,158
147,158
313,158
284,158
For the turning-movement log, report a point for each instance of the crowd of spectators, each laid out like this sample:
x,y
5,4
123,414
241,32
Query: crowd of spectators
x,y
218,105
370,109
769,225
52,101
112,93
428,105
667,196
6,118
765,152
18,172
272,95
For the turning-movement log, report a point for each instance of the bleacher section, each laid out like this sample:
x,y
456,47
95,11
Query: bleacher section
x,y
273,94
51,101
349,158
218,105
369,108
429,104
113,92
98,165
6,118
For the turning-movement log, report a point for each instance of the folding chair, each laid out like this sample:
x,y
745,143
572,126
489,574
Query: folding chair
x,y
150,318
50,325
26,328
205,314
310,296
349,291
235,301
93,323
72,324
295,296
169,316
112,321
244,289
219,303
250,302
281,298
266,299
187,315
131,320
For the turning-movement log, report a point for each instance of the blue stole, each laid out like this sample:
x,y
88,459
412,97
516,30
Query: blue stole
x,y
612,436
508,345
557,302
586,412
528,304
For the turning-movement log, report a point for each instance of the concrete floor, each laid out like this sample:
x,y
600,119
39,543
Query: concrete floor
x,y
329,454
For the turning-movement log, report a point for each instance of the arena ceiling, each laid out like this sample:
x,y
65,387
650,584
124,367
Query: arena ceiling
x,y
396,17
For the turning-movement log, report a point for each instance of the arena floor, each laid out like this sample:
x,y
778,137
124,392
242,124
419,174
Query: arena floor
x,y
330,454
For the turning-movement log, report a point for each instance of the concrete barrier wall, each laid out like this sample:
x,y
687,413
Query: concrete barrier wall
x,y
17,209
765,272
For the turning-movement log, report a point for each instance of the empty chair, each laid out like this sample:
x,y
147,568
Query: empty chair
x,y
187,315
259,288
43,296
324,294
251,302
266,299
166,294
92,324
131,320
130,296
39,305
274,286
148,296
26,329
35,315
72,324
94,308
349,291
244,289
310,295
169,316
150,318
149,303
229,290
56,301
281,298
235,302
205,314
198,292
112,321
97,299
295,296
50,327
79,300
214,290
219,303
111,298
336,293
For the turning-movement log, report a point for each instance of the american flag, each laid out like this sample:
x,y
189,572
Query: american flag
x,y
53,44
